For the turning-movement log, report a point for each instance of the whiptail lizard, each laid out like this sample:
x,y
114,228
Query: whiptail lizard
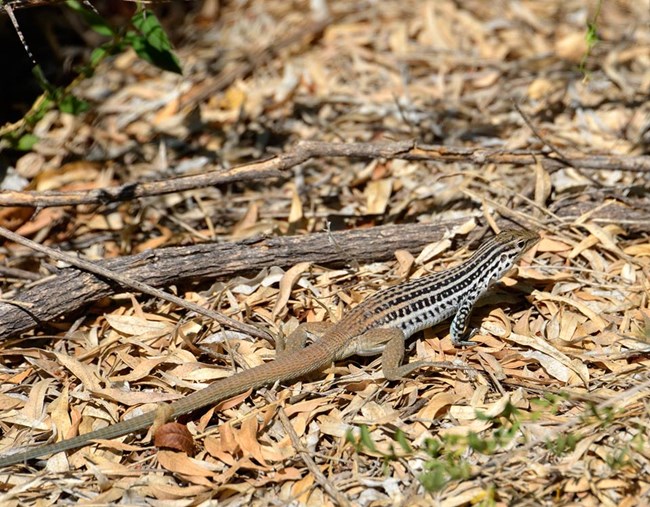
x,y
380,324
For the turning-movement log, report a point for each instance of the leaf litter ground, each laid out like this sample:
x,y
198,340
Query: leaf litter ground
x,y
554,409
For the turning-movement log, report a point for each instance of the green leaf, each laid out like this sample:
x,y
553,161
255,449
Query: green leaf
x,y
433,447
435,480
149,26
97,55
592,35
476,442
366,439
401,439
26,142
94,20
73,105
42,80
43,107
151,42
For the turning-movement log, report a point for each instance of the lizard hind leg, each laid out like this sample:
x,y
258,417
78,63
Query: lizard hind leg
x,y
298,338
393,355
390,343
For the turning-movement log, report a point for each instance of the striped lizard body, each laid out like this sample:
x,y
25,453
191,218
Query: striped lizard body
x,y
380,324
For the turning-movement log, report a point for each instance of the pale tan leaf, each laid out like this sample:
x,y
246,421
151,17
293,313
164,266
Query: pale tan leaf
x,y
295,213
333,426
583,246
142,369
541,345
85,373
433,250
244,227
375,413
552,366
302,488
309,406
438,402
540,88
176,492
548,244
33,409
572,46
641,250
8,403
543,185
233,98
247,439
180,463
405,260
596,320
286,285
377,195
136,326
605,235
471,496
60,414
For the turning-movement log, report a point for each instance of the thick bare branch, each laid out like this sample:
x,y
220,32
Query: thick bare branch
x,y
71,289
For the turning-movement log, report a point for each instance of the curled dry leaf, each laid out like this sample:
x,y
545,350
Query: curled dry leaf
x,y
174,436
377,195
12,218
296,211
286,284
406,260
432,250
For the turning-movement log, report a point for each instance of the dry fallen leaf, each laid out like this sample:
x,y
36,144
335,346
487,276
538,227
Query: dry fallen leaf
x,y
378,194
174,436
289,279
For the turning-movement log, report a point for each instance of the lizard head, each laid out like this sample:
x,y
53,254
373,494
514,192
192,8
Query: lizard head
x,y
519,240
498,255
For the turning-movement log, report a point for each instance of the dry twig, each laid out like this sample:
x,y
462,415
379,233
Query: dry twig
x,y
306,150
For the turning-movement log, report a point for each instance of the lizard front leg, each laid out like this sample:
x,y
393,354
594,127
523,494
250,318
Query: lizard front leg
x,y
460,336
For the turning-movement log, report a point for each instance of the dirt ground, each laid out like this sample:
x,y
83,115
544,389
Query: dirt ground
x,y
311,154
